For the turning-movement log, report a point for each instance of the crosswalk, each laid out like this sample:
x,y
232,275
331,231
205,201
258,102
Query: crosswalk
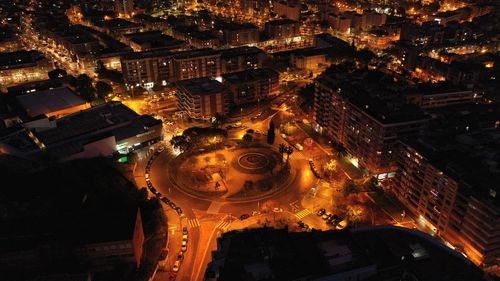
x,y
224,224
193,222
303,213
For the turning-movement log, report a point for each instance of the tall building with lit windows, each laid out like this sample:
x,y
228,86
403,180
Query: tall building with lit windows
x,y
202,98
358,110
451,183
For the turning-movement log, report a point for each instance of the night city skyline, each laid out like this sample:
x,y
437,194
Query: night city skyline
x,y
226,140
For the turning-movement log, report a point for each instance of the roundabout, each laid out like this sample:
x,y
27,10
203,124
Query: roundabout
x,y
237,173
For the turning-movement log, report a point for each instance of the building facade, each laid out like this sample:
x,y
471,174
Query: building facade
x,y
147,69
202,98
461,209
368,130
282,29
253,85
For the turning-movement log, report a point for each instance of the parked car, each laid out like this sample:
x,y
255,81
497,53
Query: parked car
x,y
176,266
321,212
326,216
244,216
343,224
184,230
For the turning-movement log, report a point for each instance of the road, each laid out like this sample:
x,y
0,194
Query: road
x,y
206,220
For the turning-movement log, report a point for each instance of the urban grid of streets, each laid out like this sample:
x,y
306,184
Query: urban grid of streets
x,y
207,220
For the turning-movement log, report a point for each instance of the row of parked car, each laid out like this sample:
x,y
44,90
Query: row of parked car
x,y
180,256
168,202
153,189
332,219
313,169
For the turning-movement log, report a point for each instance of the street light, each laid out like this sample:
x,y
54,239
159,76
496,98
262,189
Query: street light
x,y
241,114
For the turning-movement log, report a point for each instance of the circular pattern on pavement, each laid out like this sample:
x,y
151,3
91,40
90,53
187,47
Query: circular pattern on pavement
x,y
253,161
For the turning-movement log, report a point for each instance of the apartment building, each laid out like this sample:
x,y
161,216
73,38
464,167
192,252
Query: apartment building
x,y
202,98
147,69
251,85
366,120
442,180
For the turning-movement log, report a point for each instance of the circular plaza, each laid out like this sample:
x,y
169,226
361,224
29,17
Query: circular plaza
x,y
235,173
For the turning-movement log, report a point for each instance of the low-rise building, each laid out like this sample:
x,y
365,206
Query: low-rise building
x,y
202,98
376,253
23,66
102,130
55,103
252,85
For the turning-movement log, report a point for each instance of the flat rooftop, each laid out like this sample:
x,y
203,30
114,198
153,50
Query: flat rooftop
x,y
19,59
240,51
47,101
281,22
116,24
155,38
201,86
384,253
250,75
88,121
373,92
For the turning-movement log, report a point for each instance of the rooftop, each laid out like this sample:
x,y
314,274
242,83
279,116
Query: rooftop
x,y
155,38
240,51
201,86
115,24
281,22
373,92
19,59
233,26
250,75
380,252
47,101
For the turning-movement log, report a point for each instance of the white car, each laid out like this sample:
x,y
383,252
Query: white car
x,y
176,266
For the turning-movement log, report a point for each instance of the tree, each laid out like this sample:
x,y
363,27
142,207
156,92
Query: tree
x,y
57,73
85,88
103,89
218,120
349,187
247,137
271,133
181,143
289,151
100,67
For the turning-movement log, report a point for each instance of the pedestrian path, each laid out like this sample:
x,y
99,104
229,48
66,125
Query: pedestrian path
x,y
302,214
193,222
224,224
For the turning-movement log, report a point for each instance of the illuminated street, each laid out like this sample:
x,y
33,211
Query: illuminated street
x,y
249,140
